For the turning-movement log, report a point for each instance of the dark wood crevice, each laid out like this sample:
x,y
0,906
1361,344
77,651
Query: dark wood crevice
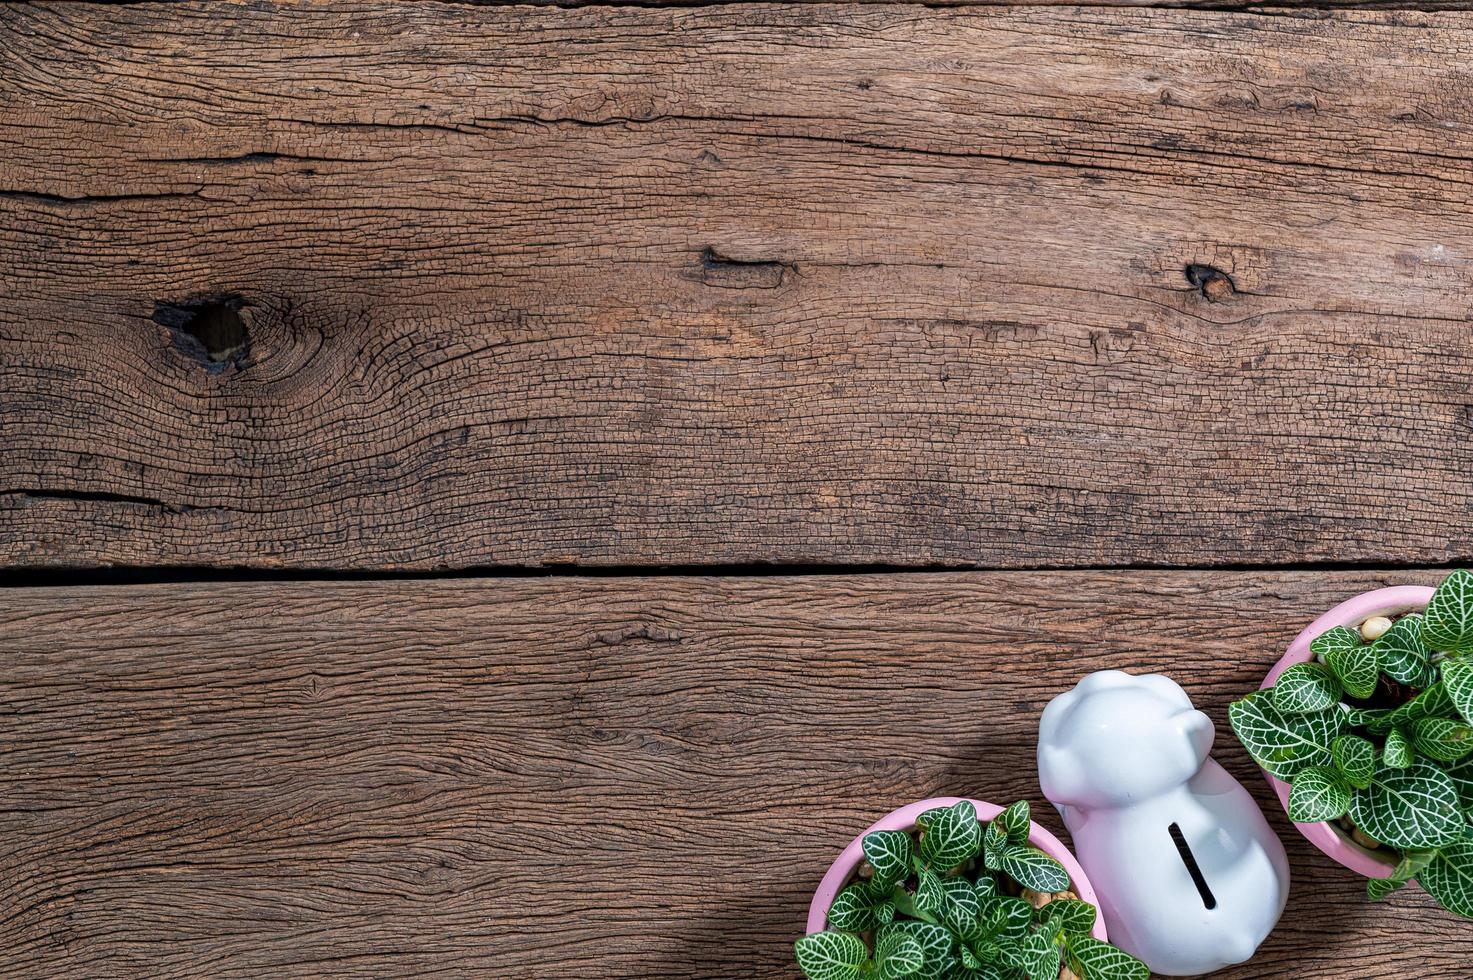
x,y
82,577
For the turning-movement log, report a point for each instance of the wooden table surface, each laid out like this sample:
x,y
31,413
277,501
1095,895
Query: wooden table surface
x,y
661,439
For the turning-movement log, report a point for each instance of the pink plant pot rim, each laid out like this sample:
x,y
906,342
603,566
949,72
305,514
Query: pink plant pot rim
x,y
1351,613
904,818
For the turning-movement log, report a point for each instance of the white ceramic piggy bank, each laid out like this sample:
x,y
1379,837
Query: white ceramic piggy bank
x,y
1189,875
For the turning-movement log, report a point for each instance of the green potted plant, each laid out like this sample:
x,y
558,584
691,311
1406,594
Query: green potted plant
x,y
935,891
1365,730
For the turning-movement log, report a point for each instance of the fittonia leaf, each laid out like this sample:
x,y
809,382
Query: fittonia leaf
x,y
930,896
861,907
1457,678
1319,793
1338,638
1015,821
1095,960
1461,773
1441,739
1400,652
1032,868
1448,622
950,835
1362,717
1039,958
897,955
1431,703
1074,918
1355,758
831,956
1012,918
938,948
961,907
1397,752
1356,669
889,853
1379,888
994,842
1284,744
1412,807
1306,689
1449,878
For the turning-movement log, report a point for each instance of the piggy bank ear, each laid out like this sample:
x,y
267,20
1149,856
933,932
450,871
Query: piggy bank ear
x,y
1198,730
1059,775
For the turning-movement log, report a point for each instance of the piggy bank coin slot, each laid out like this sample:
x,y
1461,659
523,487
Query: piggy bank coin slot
x,y
1185,850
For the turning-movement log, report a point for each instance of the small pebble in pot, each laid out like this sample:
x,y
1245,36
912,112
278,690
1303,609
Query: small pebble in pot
x,y
1363,840
1374,628
1036,899
866,870
1067,974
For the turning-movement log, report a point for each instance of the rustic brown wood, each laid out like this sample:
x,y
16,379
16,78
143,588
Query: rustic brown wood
x,y
803,283
573,777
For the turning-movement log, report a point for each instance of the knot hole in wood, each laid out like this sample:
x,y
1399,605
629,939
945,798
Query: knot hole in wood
x,y
1214,284
210,329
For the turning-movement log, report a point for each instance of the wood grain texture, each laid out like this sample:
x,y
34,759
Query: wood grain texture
x,y
551,778
798,283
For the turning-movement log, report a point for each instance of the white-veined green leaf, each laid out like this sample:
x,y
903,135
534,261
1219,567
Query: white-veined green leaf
x,y
1441,739
1412,862
930,895
1032,868
1015,821
1400,652
889,853
1306,689
1461,773
1431,703
897,955
938,947
1040,957
1318,794
1094,960
949,835
1284,744
988,965
1074,917
861,907
1356,668
1362,717
1449,878
1457,678
1397,753
962,907
986,889
1415,807
1013,917
1355,758
831,956
1003,920
1333,639
994,841
1379,888
1448,620
1034,956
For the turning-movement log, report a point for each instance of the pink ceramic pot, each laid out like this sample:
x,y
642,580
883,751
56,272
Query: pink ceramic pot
x,y
1351,613
842,870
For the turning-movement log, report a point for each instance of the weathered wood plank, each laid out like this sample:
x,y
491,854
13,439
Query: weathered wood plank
x,y
571,777
756,283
